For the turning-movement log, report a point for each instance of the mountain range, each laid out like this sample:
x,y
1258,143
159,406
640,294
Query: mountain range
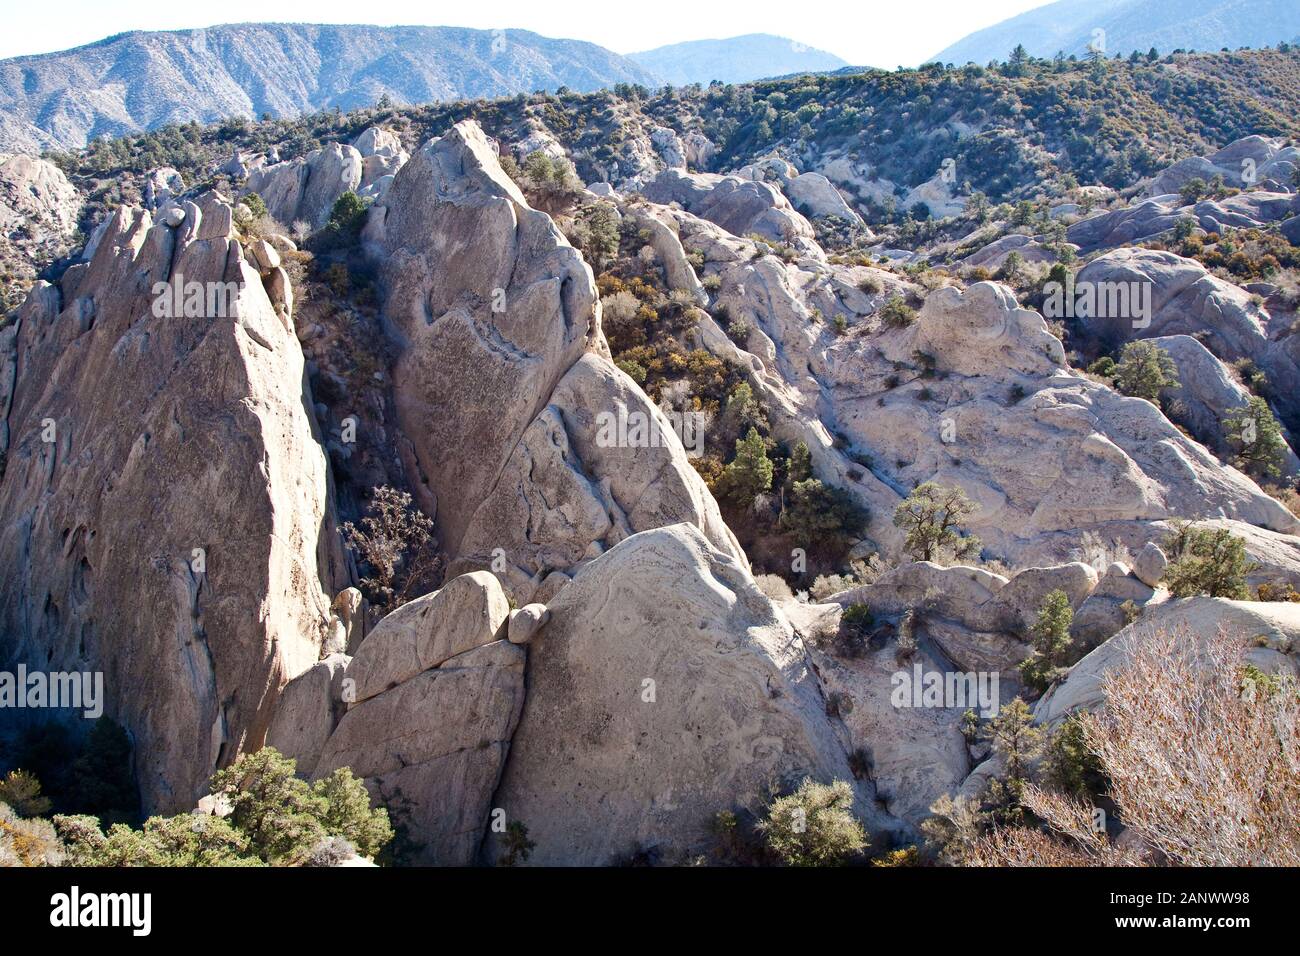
x,y
735,60
1069,26
138,81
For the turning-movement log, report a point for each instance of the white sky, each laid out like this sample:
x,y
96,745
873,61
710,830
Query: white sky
x,y
884,33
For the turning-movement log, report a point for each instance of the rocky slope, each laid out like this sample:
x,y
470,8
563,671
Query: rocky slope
x,y
598,661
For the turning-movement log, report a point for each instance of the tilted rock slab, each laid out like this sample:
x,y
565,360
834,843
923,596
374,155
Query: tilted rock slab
x,y
434,697
176,531
502,373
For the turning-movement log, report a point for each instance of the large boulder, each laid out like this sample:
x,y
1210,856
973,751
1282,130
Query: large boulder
x,y
740,206
307,188
424,633
665,689
309,708
431,749
1207,395
382,156
811,193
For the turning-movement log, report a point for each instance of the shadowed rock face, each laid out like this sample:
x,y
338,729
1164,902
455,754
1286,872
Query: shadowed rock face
x,y
175,529
503,373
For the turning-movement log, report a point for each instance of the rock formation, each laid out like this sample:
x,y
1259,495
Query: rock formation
x,y
166,513
664,689
38,214
497,324
305,189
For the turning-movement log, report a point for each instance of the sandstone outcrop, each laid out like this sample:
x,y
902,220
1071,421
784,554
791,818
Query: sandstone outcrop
x,y
309,708
664,689
497,324
165,506
1185,299
1245,163
811,193
740,206
431,748
1159,214
306,188
423,714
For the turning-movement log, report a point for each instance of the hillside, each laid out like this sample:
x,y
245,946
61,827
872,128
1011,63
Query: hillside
x,y
1069,26
734,60
577,478
138,81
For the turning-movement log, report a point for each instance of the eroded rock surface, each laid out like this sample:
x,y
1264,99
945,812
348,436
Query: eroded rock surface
x,y
165,509
664,689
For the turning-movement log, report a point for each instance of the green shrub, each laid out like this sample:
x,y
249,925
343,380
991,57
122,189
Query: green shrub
x,y
1144,369
818,513
1070,765
1207,561
22,791
256,205
814,826
516,847
897,314
273,818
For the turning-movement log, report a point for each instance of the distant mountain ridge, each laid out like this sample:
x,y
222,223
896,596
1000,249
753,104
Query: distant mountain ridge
x,y
138,81
1127,25
739,59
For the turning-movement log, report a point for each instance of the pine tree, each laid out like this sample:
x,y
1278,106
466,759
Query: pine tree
x,y
930,515
1051,642
1255,435
1144,369
749,474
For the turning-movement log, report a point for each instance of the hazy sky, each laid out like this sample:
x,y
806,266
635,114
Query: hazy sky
x,y
885,33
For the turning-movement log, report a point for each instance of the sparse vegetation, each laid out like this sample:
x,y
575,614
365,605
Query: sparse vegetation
x,y
395,541
931,516
814,826
1209,561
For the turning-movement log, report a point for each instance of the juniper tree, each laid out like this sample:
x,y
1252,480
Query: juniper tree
x,y
931,516
1144,369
